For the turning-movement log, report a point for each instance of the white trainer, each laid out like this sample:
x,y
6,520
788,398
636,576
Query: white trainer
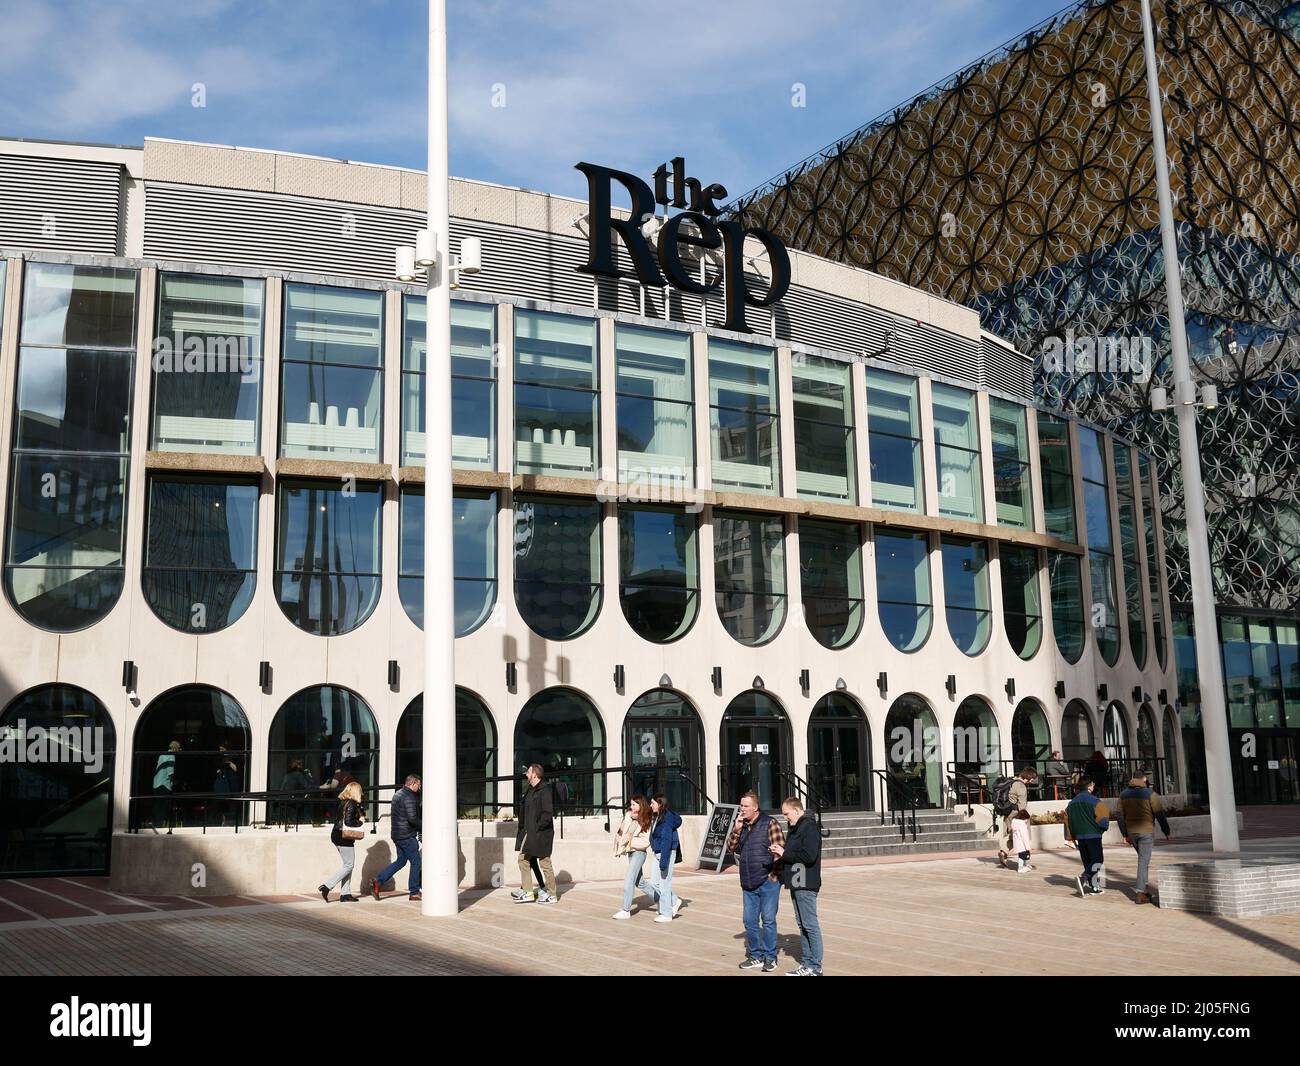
x,y
621,915
664,918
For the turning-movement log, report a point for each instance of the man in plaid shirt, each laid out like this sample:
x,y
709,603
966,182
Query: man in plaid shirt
x,y
752,839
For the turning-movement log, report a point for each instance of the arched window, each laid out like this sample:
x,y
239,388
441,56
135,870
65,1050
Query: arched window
x,y
191,739
200,565
1031,739
839,753
913,752
903,588
557,565
1130,551
658,572
749,574
561,731
71,444
755,750
474,558
1147,752
662,741
966,593
476,751
1115,737
1155,601
328,555
1101,544
57,798
316,734
1078,741
977,745
1022,605
830,578
1066,577
1169,731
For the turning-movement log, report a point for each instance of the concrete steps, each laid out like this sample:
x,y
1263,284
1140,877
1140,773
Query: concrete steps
x,y
851,834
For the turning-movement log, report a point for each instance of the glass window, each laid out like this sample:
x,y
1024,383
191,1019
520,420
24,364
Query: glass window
x,y
830,575
327,567
1130,550
823,428
658,574
1189,678
1066,576
473,384
318,735
331,397
192,739
562,732
903,588
200,555
557,565
1011,484
1101,547
913,751
476,750
1058,478
656,435
743,415
71,453
556,403
976,739
473,530
58,813
1155,600
749,574
894,432
1288,653
957,453
207,364
966,593
1022,611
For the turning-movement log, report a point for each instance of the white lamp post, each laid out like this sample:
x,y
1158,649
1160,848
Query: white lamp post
x,y
1214,718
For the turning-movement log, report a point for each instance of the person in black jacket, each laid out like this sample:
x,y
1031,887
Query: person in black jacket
x,y
404,828
801,872
351,816
534,840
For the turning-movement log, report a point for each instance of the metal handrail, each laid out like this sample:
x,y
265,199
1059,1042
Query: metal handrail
x,y
967,783
810,796
698,790
892,789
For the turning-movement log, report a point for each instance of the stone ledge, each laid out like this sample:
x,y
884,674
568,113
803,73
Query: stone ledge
x,y
333,468
205,462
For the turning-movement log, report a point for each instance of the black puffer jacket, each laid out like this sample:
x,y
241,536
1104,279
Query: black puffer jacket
x,y
406,814
803,854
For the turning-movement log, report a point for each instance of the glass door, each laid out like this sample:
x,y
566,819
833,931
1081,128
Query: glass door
x,y
753,763
838,765
658,753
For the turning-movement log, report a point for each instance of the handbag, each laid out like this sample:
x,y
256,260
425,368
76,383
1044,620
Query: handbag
x,y
350,832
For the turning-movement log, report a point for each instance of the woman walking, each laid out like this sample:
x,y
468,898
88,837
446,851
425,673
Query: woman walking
x,y
347,830
664,845
633,840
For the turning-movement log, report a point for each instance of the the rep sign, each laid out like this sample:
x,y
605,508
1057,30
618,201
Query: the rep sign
x,y
707,231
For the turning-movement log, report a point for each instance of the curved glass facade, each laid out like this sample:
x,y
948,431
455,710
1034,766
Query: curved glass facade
x,y
71,445
1066,578
749,574
1101,544
659,580
903,588
474,560
1022,607
561,731
557,565
966,593
830,578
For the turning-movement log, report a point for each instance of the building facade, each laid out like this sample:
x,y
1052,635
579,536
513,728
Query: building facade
x,y
846,555
1024,187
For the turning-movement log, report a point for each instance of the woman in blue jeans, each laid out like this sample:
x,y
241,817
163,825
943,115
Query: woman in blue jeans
x,y
633,840
664,843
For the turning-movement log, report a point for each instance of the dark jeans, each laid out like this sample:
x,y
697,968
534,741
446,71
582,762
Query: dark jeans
x,y
1094,876
408,850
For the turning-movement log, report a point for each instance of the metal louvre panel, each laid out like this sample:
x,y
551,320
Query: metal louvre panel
x,y
66,205
526,264
1007,371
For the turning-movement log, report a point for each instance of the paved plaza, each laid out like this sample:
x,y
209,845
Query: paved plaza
x,y
960,916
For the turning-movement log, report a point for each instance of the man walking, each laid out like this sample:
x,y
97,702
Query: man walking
x,y
535,839
404,828
752,839
1086,821
1139,810
801,873
1018,798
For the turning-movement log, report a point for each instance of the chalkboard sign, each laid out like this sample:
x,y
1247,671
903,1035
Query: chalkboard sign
x,y
713,851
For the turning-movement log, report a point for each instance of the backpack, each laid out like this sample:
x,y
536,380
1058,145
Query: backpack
x,y
1002,805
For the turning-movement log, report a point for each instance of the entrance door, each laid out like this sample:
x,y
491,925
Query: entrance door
x,y
658,753
1269,775
837,767
753,763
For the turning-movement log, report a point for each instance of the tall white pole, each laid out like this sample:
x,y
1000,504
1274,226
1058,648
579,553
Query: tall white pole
x,y
1214,717
441,847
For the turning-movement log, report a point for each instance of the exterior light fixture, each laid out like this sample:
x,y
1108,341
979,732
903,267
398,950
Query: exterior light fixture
x,y
717,678
757,682
1137,694
404,267
264,677
426,251
840,684
882,683
1011,688
1060,690
394,674
951,686
805,681
130,679
665,681
1103,693
512,676
1164,697
619,677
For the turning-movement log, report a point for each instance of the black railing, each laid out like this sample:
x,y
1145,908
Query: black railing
x,y
964,783
898,801
1057,777
809,796
695,787
280,808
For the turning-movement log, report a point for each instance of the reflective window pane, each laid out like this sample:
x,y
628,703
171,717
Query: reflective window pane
x,y
830,575
1155,601
743,417
556,405
207,364
903,588
1066,574
557,565
655,409
749,574
74,400
823,428
966,593
78,306
1021,607
473,553
957,458
894,431
317,736
1130,553
1011,483
658,571
1057,476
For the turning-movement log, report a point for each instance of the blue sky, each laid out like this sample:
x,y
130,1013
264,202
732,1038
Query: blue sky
x,y
607,81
